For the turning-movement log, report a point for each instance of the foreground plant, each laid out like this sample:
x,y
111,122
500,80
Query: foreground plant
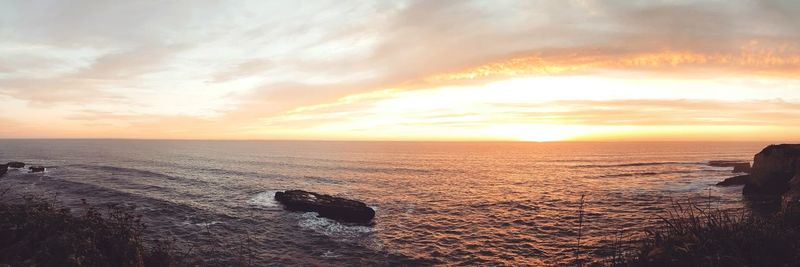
x,y
692,236
38,232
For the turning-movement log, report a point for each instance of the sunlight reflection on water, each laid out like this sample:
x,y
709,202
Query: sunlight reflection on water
x,y
450,203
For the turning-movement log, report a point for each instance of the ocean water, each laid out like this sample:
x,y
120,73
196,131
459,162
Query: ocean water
x,y
453,203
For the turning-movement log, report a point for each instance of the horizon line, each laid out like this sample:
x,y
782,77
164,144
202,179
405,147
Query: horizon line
x,y
404,141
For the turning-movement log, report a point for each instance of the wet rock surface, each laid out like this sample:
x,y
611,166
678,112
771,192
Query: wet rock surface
x,y
738,166
736,180
16,164
725,163
336,208
742,168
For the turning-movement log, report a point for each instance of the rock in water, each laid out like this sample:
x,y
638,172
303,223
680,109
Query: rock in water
x,y
738,166
743,167
336,208
773,167
16,164
3,169
736,180
36,168
724,163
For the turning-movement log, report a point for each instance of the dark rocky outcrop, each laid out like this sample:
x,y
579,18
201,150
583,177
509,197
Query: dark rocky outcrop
x,y
736,180
36,168
775,174
792,196
725,163
3,169
16,164
738,166
327,206
773,167
743,167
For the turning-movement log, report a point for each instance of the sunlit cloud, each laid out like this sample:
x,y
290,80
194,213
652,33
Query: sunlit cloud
x,y
748,62
443,70
528,109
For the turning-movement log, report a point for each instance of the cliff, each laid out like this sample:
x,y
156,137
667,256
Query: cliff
x,y
773,167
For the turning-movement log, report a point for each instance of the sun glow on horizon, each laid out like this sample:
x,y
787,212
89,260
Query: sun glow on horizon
x,y
549,108
537,133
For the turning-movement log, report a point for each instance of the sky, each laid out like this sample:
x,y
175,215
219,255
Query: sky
x,y
401,70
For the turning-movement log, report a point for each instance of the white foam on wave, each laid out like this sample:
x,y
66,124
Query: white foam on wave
x,y
199,224
206,224
330,254
331,228
264,199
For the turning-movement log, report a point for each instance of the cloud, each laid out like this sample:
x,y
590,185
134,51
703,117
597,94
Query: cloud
x,y
131,63
649,112
102,24
244,69
748,61
699,38
284,64
101,80
424,44
473,109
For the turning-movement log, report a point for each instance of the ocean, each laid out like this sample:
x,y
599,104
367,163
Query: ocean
x,y
437,203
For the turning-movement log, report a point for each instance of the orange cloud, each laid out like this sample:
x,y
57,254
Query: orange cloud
x,y
751,59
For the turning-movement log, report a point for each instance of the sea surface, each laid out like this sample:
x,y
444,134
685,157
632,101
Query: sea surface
x,y
438,203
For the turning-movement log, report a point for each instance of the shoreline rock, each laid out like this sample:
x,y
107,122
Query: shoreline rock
x,y
725,163
792,197
738,166
773,167
35,169
742,168
775,172
331,207
3,169
16,165
736,180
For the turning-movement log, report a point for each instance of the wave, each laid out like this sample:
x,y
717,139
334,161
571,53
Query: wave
x,y
331,228
137,173
199,224
223,172
264,199
645,173
353,168
639,164
70,190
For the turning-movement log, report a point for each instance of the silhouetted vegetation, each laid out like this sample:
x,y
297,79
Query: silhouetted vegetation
x,y
38,232
692,236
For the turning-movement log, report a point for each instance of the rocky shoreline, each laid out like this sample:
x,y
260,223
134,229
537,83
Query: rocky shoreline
x,y
19,165
775,173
